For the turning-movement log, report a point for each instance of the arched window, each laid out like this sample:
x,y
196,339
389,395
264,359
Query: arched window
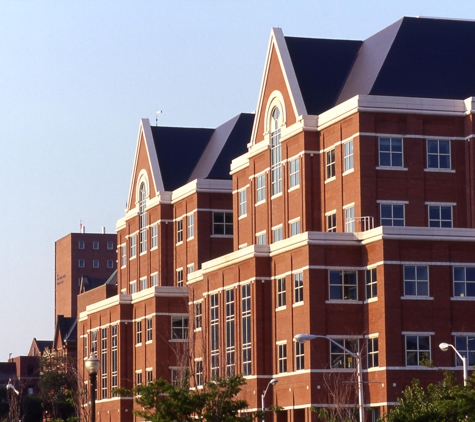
x,y
276,152
142,218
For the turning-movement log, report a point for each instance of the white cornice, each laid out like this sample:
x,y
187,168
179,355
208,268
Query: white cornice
x,y
339,239
202,185
128,299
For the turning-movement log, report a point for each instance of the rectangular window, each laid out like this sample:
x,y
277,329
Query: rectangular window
x,y
371,283
133,287
282,356
390,152
95,245
114,357
154,280
242,203
298,287
190,268
138,378
392,215
104,363
330,164
149,374
348,156
191,226
416,280
179,278
81,263
340,358
294,228
179,327
466,347
149,332
277,234
261,188
214,334
230,339
299,356
85,344
138,332
110,246
123,256
261,238
294,173
281,294
417,350
438,154
95,263
198,315
440,216
223,223
179,231
154,230
331,222
81,244
246,328
143,283
199,372
133,246
350,220
110,263
373,352
94,342
464,281
343,285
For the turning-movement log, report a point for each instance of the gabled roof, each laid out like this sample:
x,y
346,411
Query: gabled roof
x,y
321,67
186,154
65,330
414,57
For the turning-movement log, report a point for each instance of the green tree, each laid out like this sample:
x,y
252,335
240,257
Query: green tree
x,y
445,401
217,401
59,390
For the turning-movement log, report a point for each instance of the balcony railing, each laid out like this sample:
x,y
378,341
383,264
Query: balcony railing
x,y
360,224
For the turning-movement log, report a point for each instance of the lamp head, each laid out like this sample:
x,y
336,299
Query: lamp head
x,y
92,365
302,338
273,381
444,346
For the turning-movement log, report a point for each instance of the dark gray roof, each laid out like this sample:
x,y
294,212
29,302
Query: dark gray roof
x,y
430,58
414,57
321,67
179,150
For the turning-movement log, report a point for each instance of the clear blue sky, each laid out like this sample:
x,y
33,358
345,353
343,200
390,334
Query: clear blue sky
x,y
76,77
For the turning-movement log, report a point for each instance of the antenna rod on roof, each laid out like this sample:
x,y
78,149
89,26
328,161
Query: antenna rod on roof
x,y
156,116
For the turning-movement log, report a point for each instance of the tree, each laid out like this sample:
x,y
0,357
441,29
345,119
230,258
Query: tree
x,y
217,401
442,402
60,391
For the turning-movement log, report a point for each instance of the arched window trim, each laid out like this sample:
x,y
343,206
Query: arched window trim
x,y
274,126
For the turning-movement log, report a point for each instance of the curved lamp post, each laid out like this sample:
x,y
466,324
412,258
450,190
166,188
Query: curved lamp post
x,y
92,367
302,338
444,347
273,381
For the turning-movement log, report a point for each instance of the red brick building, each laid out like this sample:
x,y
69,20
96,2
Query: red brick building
x,y
349,213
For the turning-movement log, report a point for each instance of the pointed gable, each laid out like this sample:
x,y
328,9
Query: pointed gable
x,y
145,164
279,77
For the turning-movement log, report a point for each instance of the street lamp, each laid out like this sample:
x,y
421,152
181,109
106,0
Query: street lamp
x,y
444,347
302,338
92,368
273,381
